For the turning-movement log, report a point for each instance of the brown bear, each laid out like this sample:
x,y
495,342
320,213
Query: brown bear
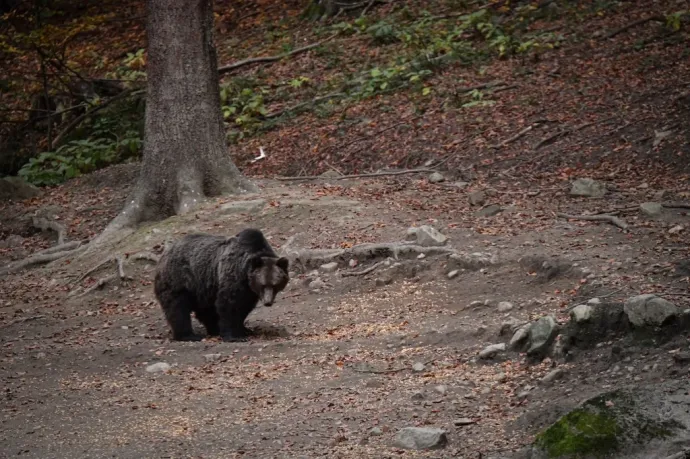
x,y
219,279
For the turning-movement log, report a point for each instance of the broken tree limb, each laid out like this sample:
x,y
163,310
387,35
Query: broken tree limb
x,y
597,218
551,138
316,100
515,137
277,57
676,205
635,24
343,177
364,271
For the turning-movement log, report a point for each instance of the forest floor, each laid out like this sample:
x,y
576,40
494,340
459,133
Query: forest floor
x,y
332,373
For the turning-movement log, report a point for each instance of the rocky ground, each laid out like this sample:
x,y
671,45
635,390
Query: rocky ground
x,y
345,365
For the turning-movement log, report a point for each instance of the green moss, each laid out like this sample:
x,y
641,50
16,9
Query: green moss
x,y
601,426
581,432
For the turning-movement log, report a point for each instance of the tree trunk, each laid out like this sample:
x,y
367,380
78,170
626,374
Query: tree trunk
x,y
185,154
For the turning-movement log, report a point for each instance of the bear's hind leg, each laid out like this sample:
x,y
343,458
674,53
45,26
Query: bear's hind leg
x,y
178,309
209,319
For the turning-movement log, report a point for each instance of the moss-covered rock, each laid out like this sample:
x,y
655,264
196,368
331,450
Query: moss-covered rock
x,y
618,424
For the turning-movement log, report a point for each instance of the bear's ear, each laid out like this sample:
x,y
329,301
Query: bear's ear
x,y
255,262
283,263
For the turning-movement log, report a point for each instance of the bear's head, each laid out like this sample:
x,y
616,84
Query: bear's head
x,y
267,277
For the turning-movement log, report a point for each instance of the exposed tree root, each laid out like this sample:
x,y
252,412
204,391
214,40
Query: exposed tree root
x,y
343,177
44,225
68,246
597,218
42,258
676,205
310,258
113,277
25,319
152,257
364,272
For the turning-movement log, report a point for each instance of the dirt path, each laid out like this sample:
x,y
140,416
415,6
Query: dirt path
x,y
333,374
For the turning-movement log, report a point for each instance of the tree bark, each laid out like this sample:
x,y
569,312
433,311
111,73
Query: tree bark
x,y
185,154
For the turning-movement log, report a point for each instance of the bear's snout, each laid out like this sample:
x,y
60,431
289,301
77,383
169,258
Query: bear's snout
x,y
268,297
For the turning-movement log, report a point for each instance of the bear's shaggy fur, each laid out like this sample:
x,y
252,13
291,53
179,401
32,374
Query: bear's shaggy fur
x,y
220,279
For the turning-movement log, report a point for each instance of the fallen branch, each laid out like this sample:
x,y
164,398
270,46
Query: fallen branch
x,y
343,177
515,137
364,271
44,225
635,24
25,319
277,57
316,100
676,205
391,370
551,138
597,218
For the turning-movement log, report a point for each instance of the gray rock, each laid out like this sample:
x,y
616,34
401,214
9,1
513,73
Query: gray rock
x,y
250,206
594,301
650,422
461,184
441,389
16,188
330,173
649,310
541,336
660,136
519,337
552,376
490,211
317,284
436,177
417,395
453,273
490,352
477,198
212,357
420,438
329,267
651,209
376,432
588,187
510,326
426,236
676,229
159,367
581,313
505,306
418,367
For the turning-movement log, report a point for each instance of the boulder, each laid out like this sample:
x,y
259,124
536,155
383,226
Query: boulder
x,y
420,438
649,310
588,187
426,236
541,336
15,188
651,209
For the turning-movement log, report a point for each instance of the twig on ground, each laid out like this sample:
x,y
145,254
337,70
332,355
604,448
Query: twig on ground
x,y
516,136
391,370
102,282
676,205
634,24
92,270
551,138
367,8
316,100
364,271
277,57
618,210
597,218
343,177
25,319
